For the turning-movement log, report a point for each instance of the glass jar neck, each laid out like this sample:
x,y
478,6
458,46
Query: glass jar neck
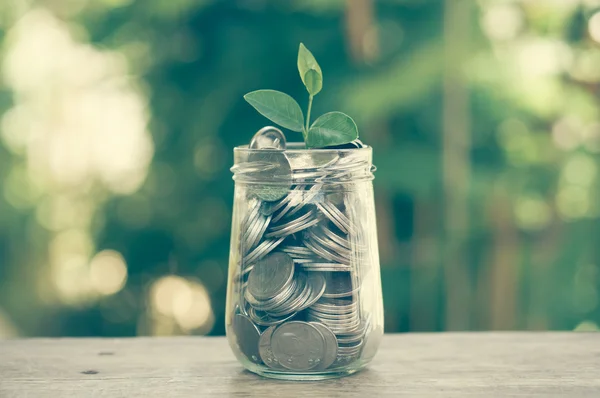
x,y
298,165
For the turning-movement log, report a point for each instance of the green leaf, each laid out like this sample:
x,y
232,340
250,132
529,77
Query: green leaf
x,y
306,62
313,82
277,107
333,128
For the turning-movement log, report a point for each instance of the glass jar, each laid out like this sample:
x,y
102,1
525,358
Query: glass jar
x,y
304,290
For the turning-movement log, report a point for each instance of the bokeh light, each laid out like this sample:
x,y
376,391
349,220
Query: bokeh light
x,y
594,27
502,21
108,272
184,301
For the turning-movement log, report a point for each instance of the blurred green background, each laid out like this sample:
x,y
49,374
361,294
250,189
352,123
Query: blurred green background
x,y
118,120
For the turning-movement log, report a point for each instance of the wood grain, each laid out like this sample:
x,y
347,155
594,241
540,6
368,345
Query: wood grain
x,y
449,364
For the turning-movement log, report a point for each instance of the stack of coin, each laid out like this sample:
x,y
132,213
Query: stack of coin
x,y
299,307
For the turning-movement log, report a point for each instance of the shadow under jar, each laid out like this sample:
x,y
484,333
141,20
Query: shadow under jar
x,y
304,290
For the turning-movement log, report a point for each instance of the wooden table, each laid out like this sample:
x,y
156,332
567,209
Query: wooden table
x,y
448,364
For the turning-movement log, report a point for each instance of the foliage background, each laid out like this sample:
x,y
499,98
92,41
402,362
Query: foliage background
x,y
119,118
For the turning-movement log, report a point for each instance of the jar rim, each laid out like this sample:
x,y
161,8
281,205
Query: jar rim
x,y
299,148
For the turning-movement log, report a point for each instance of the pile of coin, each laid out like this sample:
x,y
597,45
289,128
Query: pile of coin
x,y
299,307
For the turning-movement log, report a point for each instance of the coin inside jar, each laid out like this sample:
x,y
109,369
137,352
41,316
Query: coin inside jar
x,y
270,275
298,345
247,335
265,350
331,346
275,181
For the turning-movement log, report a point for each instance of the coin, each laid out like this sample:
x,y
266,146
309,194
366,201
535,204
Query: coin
x,y
333,236
262,250
331,346
349,338
294,200
296,225
317,285
338,284
274,305
324,252
302,292
265,351
270,184
271,275
329,244
257,231
298,345
264,319
336,216
247,335
268,137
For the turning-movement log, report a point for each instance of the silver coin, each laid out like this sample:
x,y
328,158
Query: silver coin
x,y
339,285
264,319
255,230
268,137
329,244
264,248
334,316
335,306
350,347
335,216
334,237
294,197
295,201
335,328
308,197
271,275
331,346
300,260
247,335
338,317
298,346
350,338
341,217
292,304
265,351
323,252
296,225
317,285
261,226
279,178
274,304
349,325
325,269
253,206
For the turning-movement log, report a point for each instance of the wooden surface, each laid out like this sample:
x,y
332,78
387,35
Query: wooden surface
x,y
449,364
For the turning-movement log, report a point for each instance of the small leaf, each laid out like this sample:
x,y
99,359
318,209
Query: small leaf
x,y
333,128
306,62
313,82
277,107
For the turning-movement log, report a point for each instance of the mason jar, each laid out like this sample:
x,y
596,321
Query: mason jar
x,y
304,290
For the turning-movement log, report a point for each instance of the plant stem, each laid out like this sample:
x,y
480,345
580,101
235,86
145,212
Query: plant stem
x,y
310,99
